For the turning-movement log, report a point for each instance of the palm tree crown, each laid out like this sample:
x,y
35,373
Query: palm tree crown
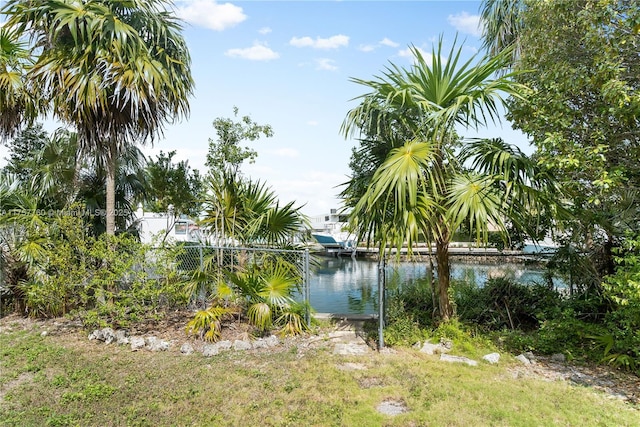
x,y
117,70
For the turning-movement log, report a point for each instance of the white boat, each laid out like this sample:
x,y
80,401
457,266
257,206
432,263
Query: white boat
x,y
328,232
334,241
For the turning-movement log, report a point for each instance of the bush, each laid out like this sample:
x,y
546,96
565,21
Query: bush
x,y
413,301
109,280
504,303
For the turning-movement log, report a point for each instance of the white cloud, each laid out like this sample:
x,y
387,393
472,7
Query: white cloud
x,y
466,23
313,123
367,47
287,152
264,30
428,57
257,52
210,14
326,64
332,42
386,42
407,53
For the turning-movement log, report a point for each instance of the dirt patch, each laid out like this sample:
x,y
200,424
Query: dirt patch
x,y
23,378
392,407
615,383
370,382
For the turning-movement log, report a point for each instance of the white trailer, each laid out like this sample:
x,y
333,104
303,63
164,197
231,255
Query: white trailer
x,y
158,228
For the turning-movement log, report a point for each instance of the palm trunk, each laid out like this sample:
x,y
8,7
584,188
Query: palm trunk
x,y
442,259
111,197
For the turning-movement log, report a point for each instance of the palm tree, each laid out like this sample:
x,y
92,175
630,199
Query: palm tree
x,y
117,70
17,105
246,211
422,190
502,25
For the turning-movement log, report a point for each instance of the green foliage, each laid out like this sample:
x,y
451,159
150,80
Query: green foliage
x,y
504,303
422,191
226,154
239,209
619,360
404,331
580,109
133,74
622,343
108,280
172,184
624,286
207,324
260,285
411,303
21,151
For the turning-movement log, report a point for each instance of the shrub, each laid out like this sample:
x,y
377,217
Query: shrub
x,y
504,303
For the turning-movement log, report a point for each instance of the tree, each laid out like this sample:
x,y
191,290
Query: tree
x,y
581,109
116,70
17,103
50,169
502,26
226,153
22,149
173,184
389,130
421,191
241,210
130,185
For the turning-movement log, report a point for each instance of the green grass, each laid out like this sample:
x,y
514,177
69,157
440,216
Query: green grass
x,y
68,381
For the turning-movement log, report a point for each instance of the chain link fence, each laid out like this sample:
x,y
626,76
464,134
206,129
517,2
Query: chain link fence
x,y
217,259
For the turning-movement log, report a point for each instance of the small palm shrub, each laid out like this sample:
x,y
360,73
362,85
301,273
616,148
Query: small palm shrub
x,y
260,288
207,324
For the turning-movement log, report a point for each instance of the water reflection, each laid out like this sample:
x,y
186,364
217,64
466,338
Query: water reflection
x,y
345,285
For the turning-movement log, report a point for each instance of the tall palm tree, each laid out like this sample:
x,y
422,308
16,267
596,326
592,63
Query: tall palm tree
x,y
16,103
502,25
422,190
117,70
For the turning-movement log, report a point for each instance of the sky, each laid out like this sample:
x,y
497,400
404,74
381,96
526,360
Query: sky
x,y
289,64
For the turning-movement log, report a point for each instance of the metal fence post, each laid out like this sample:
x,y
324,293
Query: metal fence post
x,y
307,288
381,287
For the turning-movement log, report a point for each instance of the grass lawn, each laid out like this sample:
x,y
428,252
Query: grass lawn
x,y
67,380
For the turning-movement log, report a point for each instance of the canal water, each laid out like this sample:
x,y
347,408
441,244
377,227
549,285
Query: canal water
x,y
350,286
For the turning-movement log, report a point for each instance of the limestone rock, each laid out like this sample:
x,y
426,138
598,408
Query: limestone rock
x,y
391,407
492,358
186,349
272,341
457,359
260,343
210,350
430,348
137,343
351,349
108,335
523,359
122,337
156,344
224,345
241,345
